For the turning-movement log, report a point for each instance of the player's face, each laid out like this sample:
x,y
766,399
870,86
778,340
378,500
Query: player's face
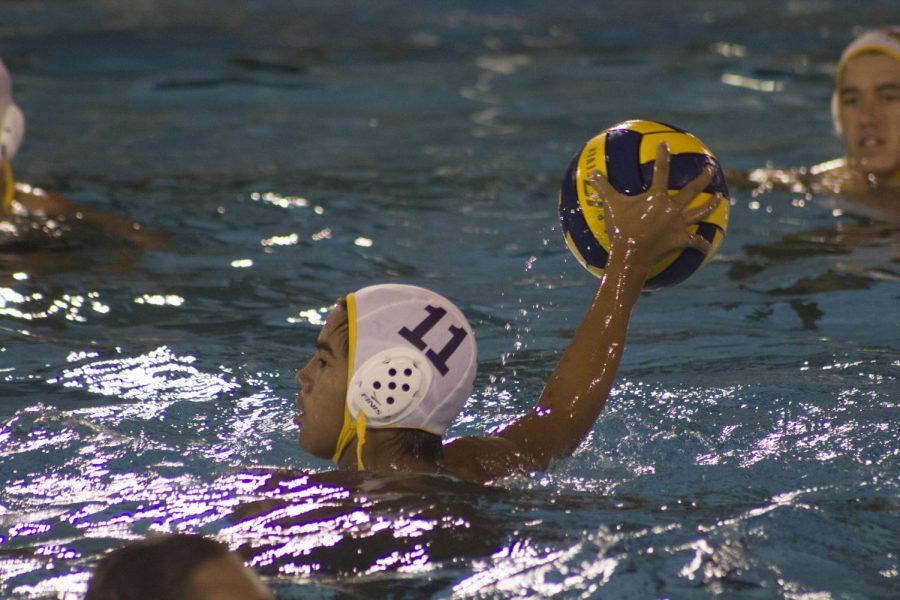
x,y
869,112
323,389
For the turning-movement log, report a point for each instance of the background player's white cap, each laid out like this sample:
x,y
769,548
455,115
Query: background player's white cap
x,y
12,121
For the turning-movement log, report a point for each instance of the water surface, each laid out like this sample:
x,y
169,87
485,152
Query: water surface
x,y
294,151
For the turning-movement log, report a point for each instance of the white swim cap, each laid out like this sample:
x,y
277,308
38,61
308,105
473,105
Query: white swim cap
x,y
12,121
884,41
411,362
881,41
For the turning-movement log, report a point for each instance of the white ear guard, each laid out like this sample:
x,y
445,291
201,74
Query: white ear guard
x,y
389,385
12,129
836,113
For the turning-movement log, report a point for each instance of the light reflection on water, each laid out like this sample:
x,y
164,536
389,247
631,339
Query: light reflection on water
x,y
158,375
72,307
749,448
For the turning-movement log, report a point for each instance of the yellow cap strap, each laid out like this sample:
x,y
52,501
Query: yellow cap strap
x,y
345,436
352,428
360,440
347,430
9,186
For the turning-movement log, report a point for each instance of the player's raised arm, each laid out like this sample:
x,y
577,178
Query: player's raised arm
x,y
641,229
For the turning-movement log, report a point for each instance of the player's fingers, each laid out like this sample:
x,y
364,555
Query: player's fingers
x,y
697,214
700,243
660,181
693,188
601,185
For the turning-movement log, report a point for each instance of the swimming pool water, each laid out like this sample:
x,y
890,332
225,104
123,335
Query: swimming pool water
x,y
294,151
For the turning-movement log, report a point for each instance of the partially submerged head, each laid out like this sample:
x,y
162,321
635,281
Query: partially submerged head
x,y
866,103
395,357
174,567
12,121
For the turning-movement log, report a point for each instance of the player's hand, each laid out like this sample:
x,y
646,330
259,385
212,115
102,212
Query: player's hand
x,y
652,224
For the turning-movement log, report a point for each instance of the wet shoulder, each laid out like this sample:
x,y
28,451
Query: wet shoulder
x,y
482,459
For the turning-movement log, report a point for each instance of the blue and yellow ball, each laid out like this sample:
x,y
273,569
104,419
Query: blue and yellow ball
x,y
625,154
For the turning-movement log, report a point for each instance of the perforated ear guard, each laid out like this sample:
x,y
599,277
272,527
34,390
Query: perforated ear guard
x,y
12,130
389,386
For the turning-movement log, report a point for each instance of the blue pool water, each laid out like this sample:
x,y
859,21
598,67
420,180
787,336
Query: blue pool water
x,y
294,151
